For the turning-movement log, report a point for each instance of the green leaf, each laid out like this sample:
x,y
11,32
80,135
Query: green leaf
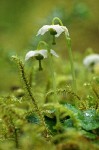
x,y
89,120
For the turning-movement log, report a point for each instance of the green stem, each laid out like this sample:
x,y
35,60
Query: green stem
x,y
51,67
31,77
53,77
32,98
68,42
15,132
56,18
28,88
42,43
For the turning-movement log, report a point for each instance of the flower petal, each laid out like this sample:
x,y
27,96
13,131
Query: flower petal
x,y
43,30
65,30
59,29
54,53
43,52
30,54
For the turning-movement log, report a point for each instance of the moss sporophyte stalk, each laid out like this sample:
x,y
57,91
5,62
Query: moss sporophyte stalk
x,y
30,94
55,31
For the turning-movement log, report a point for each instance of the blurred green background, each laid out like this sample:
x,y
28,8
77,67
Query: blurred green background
x,y
21,19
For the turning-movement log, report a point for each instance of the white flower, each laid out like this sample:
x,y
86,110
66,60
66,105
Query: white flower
x,y
42,52
91,60
36,53
56,29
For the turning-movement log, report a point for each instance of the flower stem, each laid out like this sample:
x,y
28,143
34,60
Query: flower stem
x,y
50,66
68,41
56,18
53,77
42,43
